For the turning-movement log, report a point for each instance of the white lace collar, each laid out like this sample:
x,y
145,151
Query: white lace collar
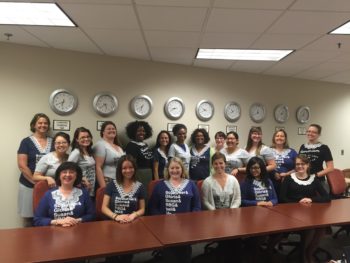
x,y
120,189
38,146
139,143
196,153
312,146
302,182
72,199
177,189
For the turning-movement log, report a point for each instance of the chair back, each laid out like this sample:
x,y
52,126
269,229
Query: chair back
x,y
241,177
39,190
99,199
336,182
151,186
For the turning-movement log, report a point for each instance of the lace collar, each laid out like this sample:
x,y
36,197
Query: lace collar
x,y
135,187
178,189
72,199
196,153
308,181
38,146
312,146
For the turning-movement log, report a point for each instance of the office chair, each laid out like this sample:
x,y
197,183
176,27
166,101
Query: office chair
x,y
100,192
39,190
346,173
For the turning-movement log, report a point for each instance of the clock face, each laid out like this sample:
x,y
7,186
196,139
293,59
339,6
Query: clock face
x,y
141,106
205,110
232,111
303,114
257,112
105,104
63,102
281,113
174,108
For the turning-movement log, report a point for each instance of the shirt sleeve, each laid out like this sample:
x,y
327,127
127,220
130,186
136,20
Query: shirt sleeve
x,y
246,201
100,149
196,200
89,208
207,194
154,201
23,147
142,193
268,153
171,152
41,214
327,154
42,166
109,188
236,199
284,190
272,194
74,156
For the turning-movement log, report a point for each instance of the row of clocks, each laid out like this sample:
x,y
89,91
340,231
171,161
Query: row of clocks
x,y
64,102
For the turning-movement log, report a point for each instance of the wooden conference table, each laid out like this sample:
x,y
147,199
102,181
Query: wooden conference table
x,y
104,238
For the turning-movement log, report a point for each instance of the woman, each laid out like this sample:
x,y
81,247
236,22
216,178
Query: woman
x,y
200,155
236,158
82,155
160,154
48,164
318,153
255,147
221,190
284,156
65,205
180,148
30,151
304,188
107,152
175,194
138,131
220,138
257,189
124,198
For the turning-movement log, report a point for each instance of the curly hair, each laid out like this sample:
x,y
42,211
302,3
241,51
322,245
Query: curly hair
x,y
178,127
131,129
203,131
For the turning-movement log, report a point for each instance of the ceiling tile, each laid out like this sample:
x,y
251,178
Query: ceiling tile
x,y
213,63
330,43
254,4
102,16
100,2
19,36
324,5
284,41
171,18
183,3
224,40
240,21
124,43
252,66
173,55
172,39
304,22
341,77
289,68
311,55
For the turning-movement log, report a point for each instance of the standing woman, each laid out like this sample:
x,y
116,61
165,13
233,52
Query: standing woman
x,y
318,153
107,152
220,138
304,188
175,194
48,164
255,147
236,158
221,190
124,198
160,154
30,151
65,205
180,148
82,155
284,156
200,155
138,132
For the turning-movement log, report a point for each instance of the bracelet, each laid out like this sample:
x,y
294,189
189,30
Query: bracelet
x,y
137,215
115,216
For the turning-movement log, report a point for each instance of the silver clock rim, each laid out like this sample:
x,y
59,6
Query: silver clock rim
x,y
226,108
287,111
299,110
57,111
96,98
252,116
166,110
199,116
132,102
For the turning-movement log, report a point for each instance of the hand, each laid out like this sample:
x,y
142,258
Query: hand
x,y
122,219
305,200
264,203
67,221
278,176
86,183
50,181
235,171
132,216
283,175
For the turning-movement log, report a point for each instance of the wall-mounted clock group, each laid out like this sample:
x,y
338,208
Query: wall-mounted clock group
x,y
64,102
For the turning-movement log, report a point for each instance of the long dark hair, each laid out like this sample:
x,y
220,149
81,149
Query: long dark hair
x,y
119,174
250,141
263,172
158,143
75,143
103,127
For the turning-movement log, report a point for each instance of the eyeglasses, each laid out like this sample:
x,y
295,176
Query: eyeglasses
x,y
61,143
85,138
300,164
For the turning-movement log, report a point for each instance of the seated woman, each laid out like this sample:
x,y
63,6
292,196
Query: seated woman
x,y
257,189
124,198
221,190
175,194
305,188
65,205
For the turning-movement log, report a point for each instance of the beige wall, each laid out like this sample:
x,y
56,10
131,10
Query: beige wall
x,y
28,75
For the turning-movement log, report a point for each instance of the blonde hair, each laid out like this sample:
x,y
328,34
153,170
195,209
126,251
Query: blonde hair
x,y
184,173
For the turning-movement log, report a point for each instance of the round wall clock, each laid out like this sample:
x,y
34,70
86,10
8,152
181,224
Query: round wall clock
x,y
105,104
257,112
232,111
281,113
63,102
303,114
141,106
205,110
174,108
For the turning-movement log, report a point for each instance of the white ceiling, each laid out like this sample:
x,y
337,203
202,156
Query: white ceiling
x,y
173,30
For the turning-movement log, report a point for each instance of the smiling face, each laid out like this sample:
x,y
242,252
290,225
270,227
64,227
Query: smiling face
x,y
175,170
61,145
140,134
231,141
220,142
84,139
199,138
110,132
312,134
255,171
300,166
128,170
219,166
256,137
68,177
181,135
41,125
164,139
280,138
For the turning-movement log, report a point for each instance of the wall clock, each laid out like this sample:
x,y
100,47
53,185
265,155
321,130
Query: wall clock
x,y
63,102
257,112
303,114
105,104
232,111
281,113
205,110
174,108
141,106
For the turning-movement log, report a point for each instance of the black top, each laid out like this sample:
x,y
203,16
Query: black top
x,y
141,152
